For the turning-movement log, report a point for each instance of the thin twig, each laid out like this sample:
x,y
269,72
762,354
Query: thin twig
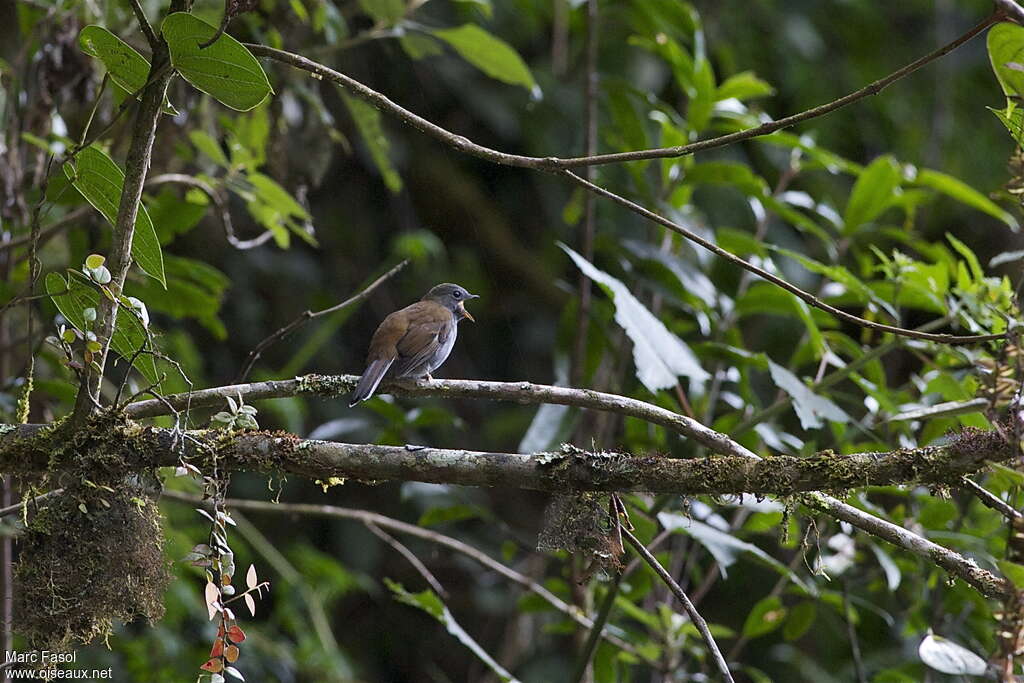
x,y
410,556
144,24
219,203
590,647
308,315
590,87
990,500
695,617
556,164
368,517
775,279
17,507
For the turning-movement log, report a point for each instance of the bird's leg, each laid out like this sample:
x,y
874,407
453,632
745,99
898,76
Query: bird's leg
x,y
429,378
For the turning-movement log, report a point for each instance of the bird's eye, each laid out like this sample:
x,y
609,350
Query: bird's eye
x,y
457,294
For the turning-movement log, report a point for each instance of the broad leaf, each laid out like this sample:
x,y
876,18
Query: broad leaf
x,y
127,68
73,296
872,194
810,407
767,615
368,120
387,11
948,657
659,355
490,54
226,70
964,193
100,181
1006,52
744,86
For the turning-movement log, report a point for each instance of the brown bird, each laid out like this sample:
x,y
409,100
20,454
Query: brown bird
x,y
415,341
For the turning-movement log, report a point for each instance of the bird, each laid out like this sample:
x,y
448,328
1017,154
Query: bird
x,y
413,342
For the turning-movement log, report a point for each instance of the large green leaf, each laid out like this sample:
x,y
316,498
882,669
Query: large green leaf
x,y
127,68
73,296
368,120
964,193
659,355
101,181
490,54
226,70
872,194
1006,51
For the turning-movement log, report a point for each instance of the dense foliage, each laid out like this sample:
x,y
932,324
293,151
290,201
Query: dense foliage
x,y
271,192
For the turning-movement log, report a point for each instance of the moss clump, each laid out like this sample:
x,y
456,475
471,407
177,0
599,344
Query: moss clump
x,y
91,556
579,523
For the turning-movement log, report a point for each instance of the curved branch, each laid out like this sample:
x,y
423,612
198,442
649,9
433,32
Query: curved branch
x,y
219,203
562,166
373,518
556,163
333,386
308,315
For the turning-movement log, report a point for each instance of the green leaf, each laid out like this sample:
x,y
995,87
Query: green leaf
x,y
73,296
767,615
490,54
431,604
205,143
1006,52
451,513
723,546
976,272
127,68
418,45
1012,571
965,194
387,11
872,194
744,86
659,355
226,70
1013,118
702,100
799,620
368,120
194,290
100,181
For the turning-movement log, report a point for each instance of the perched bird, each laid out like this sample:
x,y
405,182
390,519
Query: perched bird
x,y
415,341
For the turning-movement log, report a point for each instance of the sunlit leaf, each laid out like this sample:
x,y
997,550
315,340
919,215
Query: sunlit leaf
x,y
766,616
490,54
659,355
127,68
948,657
965,194
810,407
101,181
1005,47
872,194
226,70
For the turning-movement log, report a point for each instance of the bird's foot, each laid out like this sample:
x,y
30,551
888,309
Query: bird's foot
x,y
428,377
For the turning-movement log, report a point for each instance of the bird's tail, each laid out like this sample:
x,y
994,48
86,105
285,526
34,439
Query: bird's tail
x,y
372,376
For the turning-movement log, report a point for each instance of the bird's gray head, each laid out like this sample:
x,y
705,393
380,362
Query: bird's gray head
x,y
452,297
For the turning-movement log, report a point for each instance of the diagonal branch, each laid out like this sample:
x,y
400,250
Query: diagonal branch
x,y
308,315
333,386
562,166
373,518
695,617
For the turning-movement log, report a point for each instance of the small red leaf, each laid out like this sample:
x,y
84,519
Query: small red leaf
x,y
231,653
218,648
236,635
213,665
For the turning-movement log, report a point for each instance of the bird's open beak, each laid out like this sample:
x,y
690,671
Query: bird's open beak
x,y
462,308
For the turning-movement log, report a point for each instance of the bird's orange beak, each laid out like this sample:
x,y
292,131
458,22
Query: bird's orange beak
x,y
464,312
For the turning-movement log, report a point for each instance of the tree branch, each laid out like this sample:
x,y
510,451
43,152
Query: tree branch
x,y
308,315
562,166
555,163
367,518
334,386
120,256
695,617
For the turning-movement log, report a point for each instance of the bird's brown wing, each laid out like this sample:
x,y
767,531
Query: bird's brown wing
x,y
382,354
429,326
